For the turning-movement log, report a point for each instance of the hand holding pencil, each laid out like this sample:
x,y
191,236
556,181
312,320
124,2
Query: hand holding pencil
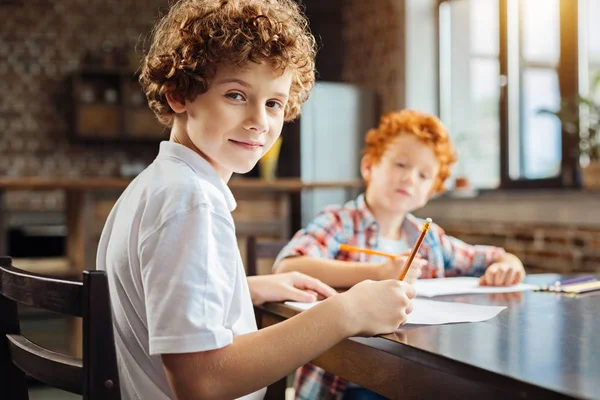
x,y
405,266
394,267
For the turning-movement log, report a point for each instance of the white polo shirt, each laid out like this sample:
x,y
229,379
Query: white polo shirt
x,y
176,278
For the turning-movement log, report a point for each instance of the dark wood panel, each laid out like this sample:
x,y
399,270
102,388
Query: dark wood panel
x,y
326,23
46,366
51,294
397,378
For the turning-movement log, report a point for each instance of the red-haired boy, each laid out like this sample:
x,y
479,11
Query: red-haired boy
x,y
407,159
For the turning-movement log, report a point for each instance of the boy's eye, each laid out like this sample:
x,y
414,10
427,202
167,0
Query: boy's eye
x,y
274,105
401,164
235,96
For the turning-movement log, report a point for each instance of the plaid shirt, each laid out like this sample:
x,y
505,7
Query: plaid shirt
x,y
354,224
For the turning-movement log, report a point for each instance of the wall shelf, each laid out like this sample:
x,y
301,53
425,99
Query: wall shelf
x,y
108,106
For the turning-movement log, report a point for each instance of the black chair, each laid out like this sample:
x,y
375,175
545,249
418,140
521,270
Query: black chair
x,y
95,376
257,249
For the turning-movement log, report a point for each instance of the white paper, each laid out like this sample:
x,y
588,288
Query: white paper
x,y
463,285
432,312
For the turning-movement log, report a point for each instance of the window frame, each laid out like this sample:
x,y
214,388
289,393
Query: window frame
x,y
568,79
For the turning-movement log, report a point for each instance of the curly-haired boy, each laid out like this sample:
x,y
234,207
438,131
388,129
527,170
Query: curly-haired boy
x,y
224,75
407,159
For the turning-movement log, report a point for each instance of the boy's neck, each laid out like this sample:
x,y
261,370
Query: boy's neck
x,y
390,223
180,137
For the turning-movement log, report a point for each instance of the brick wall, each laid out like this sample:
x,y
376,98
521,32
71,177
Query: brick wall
x,y
550,231
541,247
374,48
41,43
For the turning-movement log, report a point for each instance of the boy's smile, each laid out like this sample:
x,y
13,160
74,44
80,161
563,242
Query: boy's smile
x,y
248,144
237,120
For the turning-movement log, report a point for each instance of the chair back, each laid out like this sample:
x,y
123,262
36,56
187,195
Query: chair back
x,y
261,249
95,375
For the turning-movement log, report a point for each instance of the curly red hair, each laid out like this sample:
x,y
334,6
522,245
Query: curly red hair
x,y
196,36
425,127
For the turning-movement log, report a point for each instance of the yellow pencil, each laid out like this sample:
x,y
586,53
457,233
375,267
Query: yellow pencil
x,y
410,258
415,249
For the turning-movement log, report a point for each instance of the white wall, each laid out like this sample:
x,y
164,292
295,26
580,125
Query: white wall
x,y
331,147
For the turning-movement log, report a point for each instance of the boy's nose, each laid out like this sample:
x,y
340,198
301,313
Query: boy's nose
x,y
409,177
257,120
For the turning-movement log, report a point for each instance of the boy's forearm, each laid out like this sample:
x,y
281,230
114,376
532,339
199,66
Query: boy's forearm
x,y
335,273
255,360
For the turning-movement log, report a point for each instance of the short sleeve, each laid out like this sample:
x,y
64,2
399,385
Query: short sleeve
x,y
188,265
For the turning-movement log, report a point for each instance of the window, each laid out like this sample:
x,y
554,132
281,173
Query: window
x,y
469,87
590,45
501,62
534,49
589,60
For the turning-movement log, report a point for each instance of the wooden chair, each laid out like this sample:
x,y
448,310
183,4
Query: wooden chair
x,y
256,250
95,376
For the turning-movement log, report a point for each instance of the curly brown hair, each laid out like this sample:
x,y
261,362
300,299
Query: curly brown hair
x,y
196,36
425,127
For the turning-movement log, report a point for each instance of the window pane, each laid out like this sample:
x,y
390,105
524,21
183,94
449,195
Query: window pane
x,y
477,141
594,30
593,38
541,134
469,76
541,30
484,24
595,83
475,126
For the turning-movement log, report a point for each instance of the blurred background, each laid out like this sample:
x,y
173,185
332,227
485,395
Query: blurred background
x,y
517,83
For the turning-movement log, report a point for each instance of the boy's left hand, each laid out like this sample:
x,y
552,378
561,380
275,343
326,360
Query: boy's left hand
x,y
502,273
293,286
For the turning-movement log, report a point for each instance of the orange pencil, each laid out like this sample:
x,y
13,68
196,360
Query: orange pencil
x,y
366,251
415,249
410,258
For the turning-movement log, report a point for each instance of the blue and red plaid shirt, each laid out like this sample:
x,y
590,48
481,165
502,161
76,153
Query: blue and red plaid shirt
x,y
354,224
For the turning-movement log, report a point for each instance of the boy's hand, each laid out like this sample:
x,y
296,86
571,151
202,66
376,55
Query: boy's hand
x,y
378,307
502,274
293,286
393,268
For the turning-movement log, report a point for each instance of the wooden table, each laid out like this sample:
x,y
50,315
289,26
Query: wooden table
x,y
543,346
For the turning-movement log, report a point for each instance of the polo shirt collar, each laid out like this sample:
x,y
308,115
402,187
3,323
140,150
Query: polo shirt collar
x,y
200,166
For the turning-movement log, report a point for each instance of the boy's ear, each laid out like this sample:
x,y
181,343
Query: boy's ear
x,y
366,163
176,102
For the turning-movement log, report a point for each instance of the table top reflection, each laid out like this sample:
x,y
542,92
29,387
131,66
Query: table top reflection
x,y
545,343
546,339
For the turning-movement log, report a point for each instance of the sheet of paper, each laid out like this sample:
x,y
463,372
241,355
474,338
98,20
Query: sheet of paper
x,y
463,285
432,312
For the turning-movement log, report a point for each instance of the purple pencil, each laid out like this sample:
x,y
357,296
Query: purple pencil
x,y
571,281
